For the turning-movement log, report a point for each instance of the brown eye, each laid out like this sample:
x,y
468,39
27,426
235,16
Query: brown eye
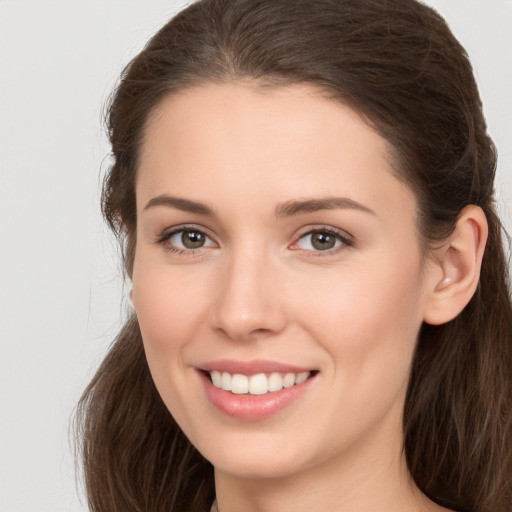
x,y
319,240
323,241
188,239
192,239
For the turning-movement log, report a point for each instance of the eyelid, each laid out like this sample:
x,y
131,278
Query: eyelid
x,y
165,235
343,236
346,239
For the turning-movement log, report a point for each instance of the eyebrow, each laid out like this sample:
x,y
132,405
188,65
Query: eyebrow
x,y
179,203
286,209
290,208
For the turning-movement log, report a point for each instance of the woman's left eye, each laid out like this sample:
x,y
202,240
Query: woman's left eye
x,y
322,240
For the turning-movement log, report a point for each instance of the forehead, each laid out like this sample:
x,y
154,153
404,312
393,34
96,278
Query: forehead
x,y
234,104
279,143
266,112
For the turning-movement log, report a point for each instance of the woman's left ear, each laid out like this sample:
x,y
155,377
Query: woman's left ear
x,y
454,270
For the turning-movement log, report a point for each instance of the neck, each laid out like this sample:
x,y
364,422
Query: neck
x,y
365,478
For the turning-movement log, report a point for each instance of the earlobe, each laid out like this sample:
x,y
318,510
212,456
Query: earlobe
x,y
458,264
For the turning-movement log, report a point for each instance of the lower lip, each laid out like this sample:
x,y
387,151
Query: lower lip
x,y
253,407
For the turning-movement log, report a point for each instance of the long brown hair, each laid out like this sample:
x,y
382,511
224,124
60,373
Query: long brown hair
x,y
396,63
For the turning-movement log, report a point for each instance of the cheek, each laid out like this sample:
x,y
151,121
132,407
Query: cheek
x,y
367,324
167,307
367,318
166,303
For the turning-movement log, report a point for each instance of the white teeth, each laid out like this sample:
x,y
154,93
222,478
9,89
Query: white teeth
x,y
258,384
301,377
289,380
226,381
216,379
275,382
239,384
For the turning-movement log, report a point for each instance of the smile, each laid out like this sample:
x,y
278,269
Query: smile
x,y
254,390
258,384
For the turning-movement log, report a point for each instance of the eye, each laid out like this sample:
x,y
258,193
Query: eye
x,y
322,240
186,239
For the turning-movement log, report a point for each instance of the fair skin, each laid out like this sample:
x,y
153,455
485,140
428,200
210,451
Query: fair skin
x,y
271,228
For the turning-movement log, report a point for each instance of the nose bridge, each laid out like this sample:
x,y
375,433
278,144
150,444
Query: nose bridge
x,y
248,302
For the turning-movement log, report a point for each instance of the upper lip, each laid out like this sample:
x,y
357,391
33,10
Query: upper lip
x,y
251,367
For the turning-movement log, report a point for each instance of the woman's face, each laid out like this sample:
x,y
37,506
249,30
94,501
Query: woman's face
x,y
275,245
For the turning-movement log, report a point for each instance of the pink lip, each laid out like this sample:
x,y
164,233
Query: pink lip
x,y
252,407
251,367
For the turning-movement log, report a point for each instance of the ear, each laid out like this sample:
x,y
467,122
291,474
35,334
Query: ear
x,y
454,270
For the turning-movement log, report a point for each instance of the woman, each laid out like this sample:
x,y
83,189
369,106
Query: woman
x,y
304,193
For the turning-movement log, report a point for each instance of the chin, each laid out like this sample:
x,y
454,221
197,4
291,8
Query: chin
x,y
255,469
255,458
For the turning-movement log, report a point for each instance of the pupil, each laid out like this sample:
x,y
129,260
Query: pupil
x,y
323,241
192,239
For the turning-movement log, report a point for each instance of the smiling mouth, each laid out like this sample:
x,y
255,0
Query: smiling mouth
x,y
257,384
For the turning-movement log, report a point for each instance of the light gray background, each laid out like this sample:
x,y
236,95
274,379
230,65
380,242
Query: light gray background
x,y
61,293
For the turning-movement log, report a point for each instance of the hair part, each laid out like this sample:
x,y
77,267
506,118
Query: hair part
x,y
398,65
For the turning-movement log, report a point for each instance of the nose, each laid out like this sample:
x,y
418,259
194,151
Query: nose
x,y
250,302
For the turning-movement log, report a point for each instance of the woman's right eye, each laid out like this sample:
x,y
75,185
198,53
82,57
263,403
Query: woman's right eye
x,y
186,239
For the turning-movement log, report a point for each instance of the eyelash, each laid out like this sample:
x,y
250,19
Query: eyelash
x,y
345,239
164,240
